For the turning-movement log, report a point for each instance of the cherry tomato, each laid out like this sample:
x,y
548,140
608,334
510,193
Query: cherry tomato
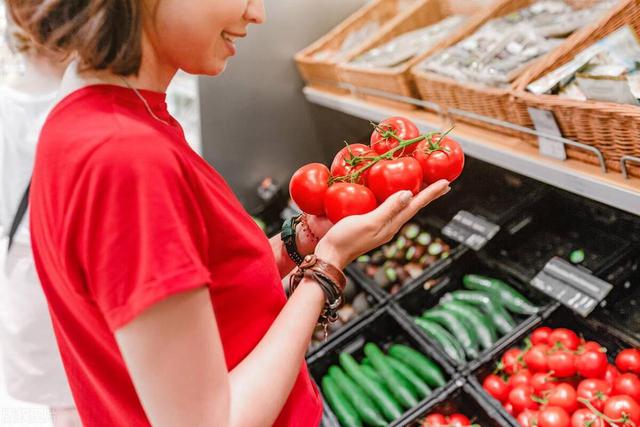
x,y
541,335
308,186
521,398
591,345
528,418
564,396
595,391
390,176
592,364
496,387
628,384
562,363
341,167
621,408
456,420
611,374
536,358
521,377
511,362
629,360
586,418
344,199
434,420
553,416
509,408
566,337
402,128
541,381
439,160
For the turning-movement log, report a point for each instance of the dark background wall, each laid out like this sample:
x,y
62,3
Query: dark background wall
x,y
255,120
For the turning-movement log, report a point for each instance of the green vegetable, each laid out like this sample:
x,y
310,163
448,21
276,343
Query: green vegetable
x,y
401,242
357,397
366,361
387,404
505,294
449,344
458,329
577,256
423,238
485,330
371,373
365,259
435,249
344,410
496,312
411,231
419,363
416,382
403,394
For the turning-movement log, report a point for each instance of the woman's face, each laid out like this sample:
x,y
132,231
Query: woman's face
x,y
198,36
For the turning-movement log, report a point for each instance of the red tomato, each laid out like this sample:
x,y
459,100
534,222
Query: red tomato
x,y
622,408
586,418
509,408
521,398
553,416
591,345
402,128
345,199
629,360
496,387
511,362
528,418
562,363
592,364
595,391
628,384
536,358
522,377
341,165
308,186
456,420
443,160
611,374
541,381
390,176
541,335
564,396
434,420
566,337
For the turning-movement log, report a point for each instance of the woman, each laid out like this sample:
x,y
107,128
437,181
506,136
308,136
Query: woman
x,y
165,296
33,370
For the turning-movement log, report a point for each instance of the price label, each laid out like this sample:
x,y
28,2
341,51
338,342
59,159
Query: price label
x,y
544,121
575,288
471,230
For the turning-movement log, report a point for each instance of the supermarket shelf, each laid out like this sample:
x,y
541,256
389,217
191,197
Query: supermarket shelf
x,y
505,151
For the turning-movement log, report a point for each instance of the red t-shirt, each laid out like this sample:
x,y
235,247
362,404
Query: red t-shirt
x,y
125,214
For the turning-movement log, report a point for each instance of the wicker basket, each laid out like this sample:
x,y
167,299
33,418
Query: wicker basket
x,y
398,80
497,103
322,72
612,128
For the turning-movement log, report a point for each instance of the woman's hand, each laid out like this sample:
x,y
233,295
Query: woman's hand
x,y
358,234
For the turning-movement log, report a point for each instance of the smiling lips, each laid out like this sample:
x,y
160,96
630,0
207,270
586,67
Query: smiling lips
x,y
230,39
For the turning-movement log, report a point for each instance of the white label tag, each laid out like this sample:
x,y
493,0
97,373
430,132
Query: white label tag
x,y
544,121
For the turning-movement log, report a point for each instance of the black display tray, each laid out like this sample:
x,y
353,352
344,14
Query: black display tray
x,y
607,335
414,301
460,397
385,327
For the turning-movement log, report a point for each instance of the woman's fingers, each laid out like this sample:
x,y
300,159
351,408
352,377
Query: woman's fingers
x,y
419,201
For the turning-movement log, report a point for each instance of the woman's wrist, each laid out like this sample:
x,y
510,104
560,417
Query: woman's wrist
x,y
327,253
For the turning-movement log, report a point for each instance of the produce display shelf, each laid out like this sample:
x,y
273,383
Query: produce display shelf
x,y
501,150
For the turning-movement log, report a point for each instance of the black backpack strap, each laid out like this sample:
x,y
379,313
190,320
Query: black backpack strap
x,y
22,210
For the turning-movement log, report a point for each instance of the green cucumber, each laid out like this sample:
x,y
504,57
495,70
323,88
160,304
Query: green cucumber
x,y
357,397
421,388
496,312
382,398
403,394
511,299
346,413
419,363
447,342
371,373
465,336
485,331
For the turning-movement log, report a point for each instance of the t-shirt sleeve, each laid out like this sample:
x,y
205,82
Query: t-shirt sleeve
x,y
140,237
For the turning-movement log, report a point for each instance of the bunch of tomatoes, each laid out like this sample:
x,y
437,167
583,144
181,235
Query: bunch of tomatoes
x,y
561,380
363,176
440,420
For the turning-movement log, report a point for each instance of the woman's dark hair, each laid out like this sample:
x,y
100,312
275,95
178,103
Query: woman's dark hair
x,y
105,34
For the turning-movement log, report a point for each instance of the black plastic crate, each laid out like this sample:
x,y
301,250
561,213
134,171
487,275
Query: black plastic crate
x,y
414,301
385,327
557,225
606,335
458,398
355,289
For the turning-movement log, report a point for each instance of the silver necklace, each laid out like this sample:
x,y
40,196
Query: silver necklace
x,y
144,101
